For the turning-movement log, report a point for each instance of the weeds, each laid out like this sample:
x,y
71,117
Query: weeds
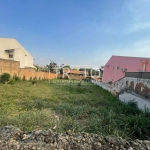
x,y
16,78
139,126
24,78
70,107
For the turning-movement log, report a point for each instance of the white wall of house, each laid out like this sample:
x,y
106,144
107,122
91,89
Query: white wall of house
x,y
125,96
15,51
142,104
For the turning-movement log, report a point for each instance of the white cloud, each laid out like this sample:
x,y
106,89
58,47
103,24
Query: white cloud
x,y
139,11
41,58
61,58
139,26
138,49
142,43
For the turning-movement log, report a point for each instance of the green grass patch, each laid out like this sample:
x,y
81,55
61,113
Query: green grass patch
x,y
63,107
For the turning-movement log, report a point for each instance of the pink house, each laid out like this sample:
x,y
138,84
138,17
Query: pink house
x,y
116,67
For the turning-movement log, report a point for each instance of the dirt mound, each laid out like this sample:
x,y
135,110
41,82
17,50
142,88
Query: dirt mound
x,y
12,138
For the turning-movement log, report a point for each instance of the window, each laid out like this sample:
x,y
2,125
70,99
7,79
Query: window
x,y
10,56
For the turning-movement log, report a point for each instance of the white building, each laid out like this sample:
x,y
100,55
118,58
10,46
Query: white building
x,y
11,49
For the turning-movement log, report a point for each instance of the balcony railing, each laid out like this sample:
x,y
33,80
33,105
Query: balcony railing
x,y
144,75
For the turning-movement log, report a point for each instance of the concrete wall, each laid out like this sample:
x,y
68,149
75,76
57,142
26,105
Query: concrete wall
x,y
19,53
142,103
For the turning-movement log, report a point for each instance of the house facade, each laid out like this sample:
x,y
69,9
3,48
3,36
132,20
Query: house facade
x,y
11,49
76,72
116,67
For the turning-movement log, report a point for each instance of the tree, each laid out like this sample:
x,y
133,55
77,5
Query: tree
x,y
67,67
63,67
52,66
37,67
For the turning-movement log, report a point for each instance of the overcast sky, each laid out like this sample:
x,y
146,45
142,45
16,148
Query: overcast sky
x,y
78,32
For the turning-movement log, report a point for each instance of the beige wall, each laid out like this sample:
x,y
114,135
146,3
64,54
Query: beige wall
x,y
20,53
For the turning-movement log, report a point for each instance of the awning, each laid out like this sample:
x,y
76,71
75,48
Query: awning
x,y
9,50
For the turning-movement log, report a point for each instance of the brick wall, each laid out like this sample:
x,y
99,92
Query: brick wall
x,y
9,66
13,67
30,72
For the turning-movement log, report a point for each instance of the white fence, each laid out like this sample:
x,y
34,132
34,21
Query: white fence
x,y
122,84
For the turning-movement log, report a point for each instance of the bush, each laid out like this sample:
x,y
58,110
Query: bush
x,y
139,126
132,108
35,78
24,78
16,78
5,77
66,78
79,84
12,81
34,82
30,79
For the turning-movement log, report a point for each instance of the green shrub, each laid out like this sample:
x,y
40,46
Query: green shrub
x,y
30,79
139,126
34,82
35,78
79,84
66,78
24,78
16,78
131,108
5,77
133,104
12,81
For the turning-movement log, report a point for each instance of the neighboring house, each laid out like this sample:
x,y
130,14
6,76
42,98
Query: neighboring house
x,y
11,49
76,72
116,67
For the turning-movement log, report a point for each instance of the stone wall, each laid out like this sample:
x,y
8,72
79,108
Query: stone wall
x,y
9,66
139,85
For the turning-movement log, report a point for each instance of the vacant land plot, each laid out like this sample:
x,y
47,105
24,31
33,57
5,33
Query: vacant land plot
x,y
77,107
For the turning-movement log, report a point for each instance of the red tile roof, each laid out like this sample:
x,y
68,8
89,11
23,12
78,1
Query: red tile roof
x,y
75,72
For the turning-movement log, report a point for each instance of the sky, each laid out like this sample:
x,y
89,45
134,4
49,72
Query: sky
x,y
78,32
